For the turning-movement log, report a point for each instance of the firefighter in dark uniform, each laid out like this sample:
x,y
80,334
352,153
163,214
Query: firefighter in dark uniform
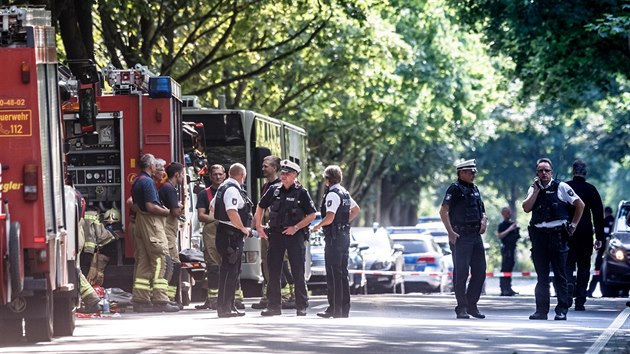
x,y
169,195
339,209
292,211
464,217
233,209
581,244
549,201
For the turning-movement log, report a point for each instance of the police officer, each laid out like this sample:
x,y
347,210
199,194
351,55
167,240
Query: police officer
x,y
549,201
581,243
270,169
464,217
507,232
339,209
150,285
169,195
233,209
292,211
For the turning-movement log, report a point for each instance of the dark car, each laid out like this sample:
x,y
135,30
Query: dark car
x,y
317,281
615,269
383,260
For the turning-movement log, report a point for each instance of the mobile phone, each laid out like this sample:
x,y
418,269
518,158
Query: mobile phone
x,y
538,183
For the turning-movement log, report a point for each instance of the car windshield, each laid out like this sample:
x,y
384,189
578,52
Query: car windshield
x,y
622,220
376,240
413,246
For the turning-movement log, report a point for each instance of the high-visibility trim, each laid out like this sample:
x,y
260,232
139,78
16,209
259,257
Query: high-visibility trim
x,y
160,286
172,291
158,266
142,287
142,281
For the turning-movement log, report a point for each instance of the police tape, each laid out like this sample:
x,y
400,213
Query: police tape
x,y
322,271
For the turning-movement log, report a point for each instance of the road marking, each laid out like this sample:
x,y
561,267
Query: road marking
x,y
603,338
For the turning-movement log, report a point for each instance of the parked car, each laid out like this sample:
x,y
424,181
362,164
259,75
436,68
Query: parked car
x,y
317,282
423,254
615,269
429,219
382,255
440,235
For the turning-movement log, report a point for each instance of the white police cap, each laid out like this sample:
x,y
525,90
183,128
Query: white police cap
x,y
467,165
289,166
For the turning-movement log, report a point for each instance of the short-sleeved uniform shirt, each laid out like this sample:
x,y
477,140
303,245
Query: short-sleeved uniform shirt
x,y
144,191
232,199
169,196
333,201
565,194
304,199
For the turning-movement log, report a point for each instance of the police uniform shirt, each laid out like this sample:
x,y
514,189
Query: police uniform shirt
x,y
169,196
232,199
304,200
144,191
454,194
203,201
565,194
333,201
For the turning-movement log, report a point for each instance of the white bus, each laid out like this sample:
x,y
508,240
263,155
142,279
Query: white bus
x,y
231,136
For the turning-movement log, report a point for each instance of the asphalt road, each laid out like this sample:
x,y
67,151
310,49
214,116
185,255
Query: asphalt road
x,y
412,323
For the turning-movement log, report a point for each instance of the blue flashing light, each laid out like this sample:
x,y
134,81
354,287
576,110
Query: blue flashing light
x,y
160,87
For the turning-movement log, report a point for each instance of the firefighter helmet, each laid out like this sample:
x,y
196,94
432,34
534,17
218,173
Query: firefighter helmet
x,y
112,216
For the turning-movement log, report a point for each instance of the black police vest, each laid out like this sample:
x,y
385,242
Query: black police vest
x,y
342,216
285,208
468,211
548,207
245,212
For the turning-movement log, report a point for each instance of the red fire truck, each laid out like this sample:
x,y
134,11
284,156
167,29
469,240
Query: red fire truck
x,y
38,271
113,125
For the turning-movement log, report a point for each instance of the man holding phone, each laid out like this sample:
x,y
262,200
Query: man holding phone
x,y
549,229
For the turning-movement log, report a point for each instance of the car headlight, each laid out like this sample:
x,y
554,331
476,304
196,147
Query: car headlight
x,y
382,265
618,254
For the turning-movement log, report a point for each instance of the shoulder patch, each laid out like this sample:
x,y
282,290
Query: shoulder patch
x,y
234,201
570,192
329,203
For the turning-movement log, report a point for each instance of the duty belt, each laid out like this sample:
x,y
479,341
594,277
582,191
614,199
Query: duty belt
x,y
229,230
550,229
466,228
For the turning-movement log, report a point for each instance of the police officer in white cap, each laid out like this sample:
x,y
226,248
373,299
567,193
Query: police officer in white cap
x,y
464,216
291,212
